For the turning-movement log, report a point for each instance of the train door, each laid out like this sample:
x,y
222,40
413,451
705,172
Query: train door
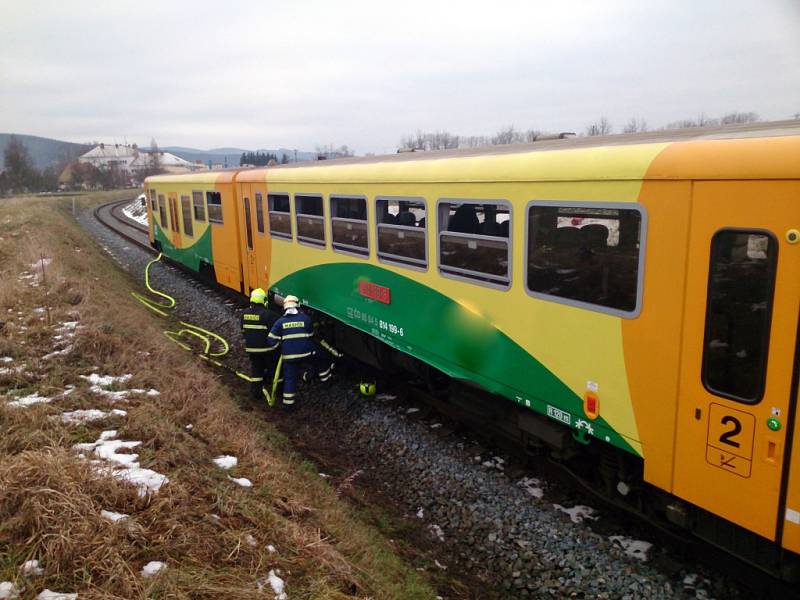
x,y
175,235
248,243
739,340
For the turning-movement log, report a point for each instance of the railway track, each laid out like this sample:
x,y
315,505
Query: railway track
x,y
465,425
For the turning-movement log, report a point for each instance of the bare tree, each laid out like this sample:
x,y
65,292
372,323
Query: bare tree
x,y
507,135
635,125
600,127
739,117
532,134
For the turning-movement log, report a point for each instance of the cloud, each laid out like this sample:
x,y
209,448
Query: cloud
x,y
366,73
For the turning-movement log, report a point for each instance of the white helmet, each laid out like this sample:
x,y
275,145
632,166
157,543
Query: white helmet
x,y
290,302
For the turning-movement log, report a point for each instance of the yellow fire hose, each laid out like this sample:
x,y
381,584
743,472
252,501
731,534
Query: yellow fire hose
x,y
207,337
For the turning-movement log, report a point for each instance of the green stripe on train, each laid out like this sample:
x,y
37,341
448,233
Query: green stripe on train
x,y
434,328
190,256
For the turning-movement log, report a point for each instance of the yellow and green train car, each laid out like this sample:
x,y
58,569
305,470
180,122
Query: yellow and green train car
x,y
639,292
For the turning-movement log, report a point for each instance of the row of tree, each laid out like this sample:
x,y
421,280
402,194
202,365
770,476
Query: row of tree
x,y
20,175
261,159
443,140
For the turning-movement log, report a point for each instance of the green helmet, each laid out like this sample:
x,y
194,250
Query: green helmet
x,y
258,296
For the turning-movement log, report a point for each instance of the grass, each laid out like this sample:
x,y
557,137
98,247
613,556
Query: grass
x,y
211,533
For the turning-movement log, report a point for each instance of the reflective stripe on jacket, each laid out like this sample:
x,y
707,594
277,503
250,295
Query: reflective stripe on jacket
x,y
255,324
293,333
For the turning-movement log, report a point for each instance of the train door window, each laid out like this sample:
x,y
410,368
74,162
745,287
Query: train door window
x,y
153,200
186,211
349,224
280,218
741,282
587,255
173,214
402,231
310,219
474,240
248,223
260,212
199,206
214,207
162,211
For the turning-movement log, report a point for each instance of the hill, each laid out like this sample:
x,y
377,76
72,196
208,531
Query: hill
x,y
44,151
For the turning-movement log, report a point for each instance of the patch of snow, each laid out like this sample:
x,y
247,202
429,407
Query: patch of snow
x,y
29,401
111,395
153,567
152,392
412,410
324,475
39,309
6,359
271,549
135,212
226,461
385,397
8,591
113,516
578,512
531,486
67,326
242,481
62,352
633,548
106,380
435,425
31,567
48,595
250,540
436,531
189,427
147,480
440,565
278,585
89,415
421,513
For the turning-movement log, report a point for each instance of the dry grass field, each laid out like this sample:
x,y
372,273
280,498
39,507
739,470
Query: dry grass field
x,y
70,332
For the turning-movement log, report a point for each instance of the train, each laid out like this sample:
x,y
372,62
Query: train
x,y
630,302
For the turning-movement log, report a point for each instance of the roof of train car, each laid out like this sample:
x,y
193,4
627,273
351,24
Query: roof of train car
x,y
752,150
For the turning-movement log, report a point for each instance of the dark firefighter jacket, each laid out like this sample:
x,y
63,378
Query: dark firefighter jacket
x,y
293,333
256,322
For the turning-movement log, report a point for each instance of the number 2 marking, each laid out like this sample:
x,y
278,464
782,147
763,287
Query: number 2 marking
x,y
725,438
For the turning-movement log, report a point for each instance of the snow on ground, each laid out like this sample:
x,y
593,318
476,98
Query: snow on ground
x,y
577,513
6,359
277,584
153,567
8,591
31,567
122,466
48,595
136,211
226,461
531,486
29,401
88,415
250,540
66,350
436,532
242,481
106,380
634,548
271,549
112,516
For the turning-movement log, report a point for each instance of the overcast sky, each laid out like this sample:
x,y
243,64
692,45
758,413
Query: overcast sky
x,y
298,74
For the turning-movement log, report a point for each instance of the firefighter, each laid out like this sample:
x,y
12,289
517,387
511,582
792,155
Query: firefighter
x,y
294,332
256,323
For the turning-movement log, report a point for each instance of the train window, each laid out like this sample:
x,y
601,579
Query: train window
x,y
153,200
186,211
214,207
280,219
199,206
162,211
349,224
402,231
474,240
248,223
310,219
260,212
741,282
586,255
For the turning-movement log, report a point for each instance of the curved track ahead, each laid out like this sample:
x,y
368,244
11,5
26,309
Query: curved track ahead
x,y
110,215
